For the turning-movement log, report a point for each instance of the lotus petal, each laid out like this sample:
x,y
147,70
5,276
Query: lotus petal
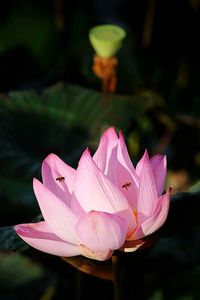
x,y
40,236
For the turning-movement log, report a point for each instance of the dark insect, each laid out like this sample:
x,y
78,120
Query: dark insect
x,y
60,179
126,185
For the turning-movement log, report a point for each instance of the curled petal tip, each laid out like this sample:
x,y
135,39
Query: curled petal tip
x,y
35,180
21,229
36,183
146,154
110,129
16,228
110,133
87,152
50,156
121,135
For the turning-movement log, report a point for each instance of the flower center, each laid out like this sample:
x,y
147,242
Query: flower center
x,y
135,212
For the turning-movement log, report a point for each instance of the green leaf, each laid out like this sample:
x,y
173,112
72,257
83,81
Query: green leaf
x,y
9,240
17,270
195,188
63,119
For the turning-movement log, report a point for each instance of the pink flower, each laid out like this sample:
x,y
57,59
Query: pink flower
x,y
93,210
142,186
84,212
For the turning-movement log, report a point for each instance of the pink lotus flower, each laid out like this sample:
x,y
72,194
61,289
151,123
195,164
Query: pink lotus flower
x,y
142,186
93,210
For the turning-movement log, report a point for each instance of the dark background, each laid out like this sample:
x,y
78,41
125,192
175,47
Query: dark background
x,y
50,101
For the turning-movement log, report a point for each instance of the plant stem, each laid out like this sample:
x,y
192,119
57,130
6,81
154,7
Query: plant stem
x,y
116,269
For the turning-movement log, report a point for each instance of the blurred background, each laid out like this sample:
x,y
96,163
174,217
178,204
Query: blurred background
x,y
50,101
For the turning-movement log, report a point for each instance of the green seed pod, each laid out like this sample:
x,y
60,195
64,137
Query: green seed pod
x,y
106,39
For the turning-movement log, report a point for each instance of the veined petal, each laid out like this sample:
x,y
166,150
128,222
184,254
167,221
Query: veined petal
x,y
40,236
103,157
76,208
101,231
94,191
125,176
58,177
98,255
56,213
124,158
129,216
140,164
159,168
147,196
157,220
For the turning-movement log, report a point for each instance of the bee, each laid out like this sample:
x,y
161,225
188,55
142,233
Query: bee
x,y
126,185
60,179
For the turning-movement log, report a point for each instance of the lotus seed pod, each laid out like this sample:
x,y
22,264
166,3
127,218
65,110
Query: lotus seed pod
x,y
106,39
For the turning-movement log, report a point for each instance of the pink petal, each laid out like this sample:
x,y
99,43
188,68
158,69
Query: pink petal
x,y
98,255
94,191
139,165
132,246
125,176
58,177
113,159
147,197
100,231
106,151
124,157
56,213
159,168
132,222
40,236
76,208
157,220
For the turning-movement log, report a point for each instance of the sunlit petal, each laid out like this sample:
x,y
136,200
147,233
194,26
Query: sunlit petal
x,y
40,236
56,213
58,177
100,231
